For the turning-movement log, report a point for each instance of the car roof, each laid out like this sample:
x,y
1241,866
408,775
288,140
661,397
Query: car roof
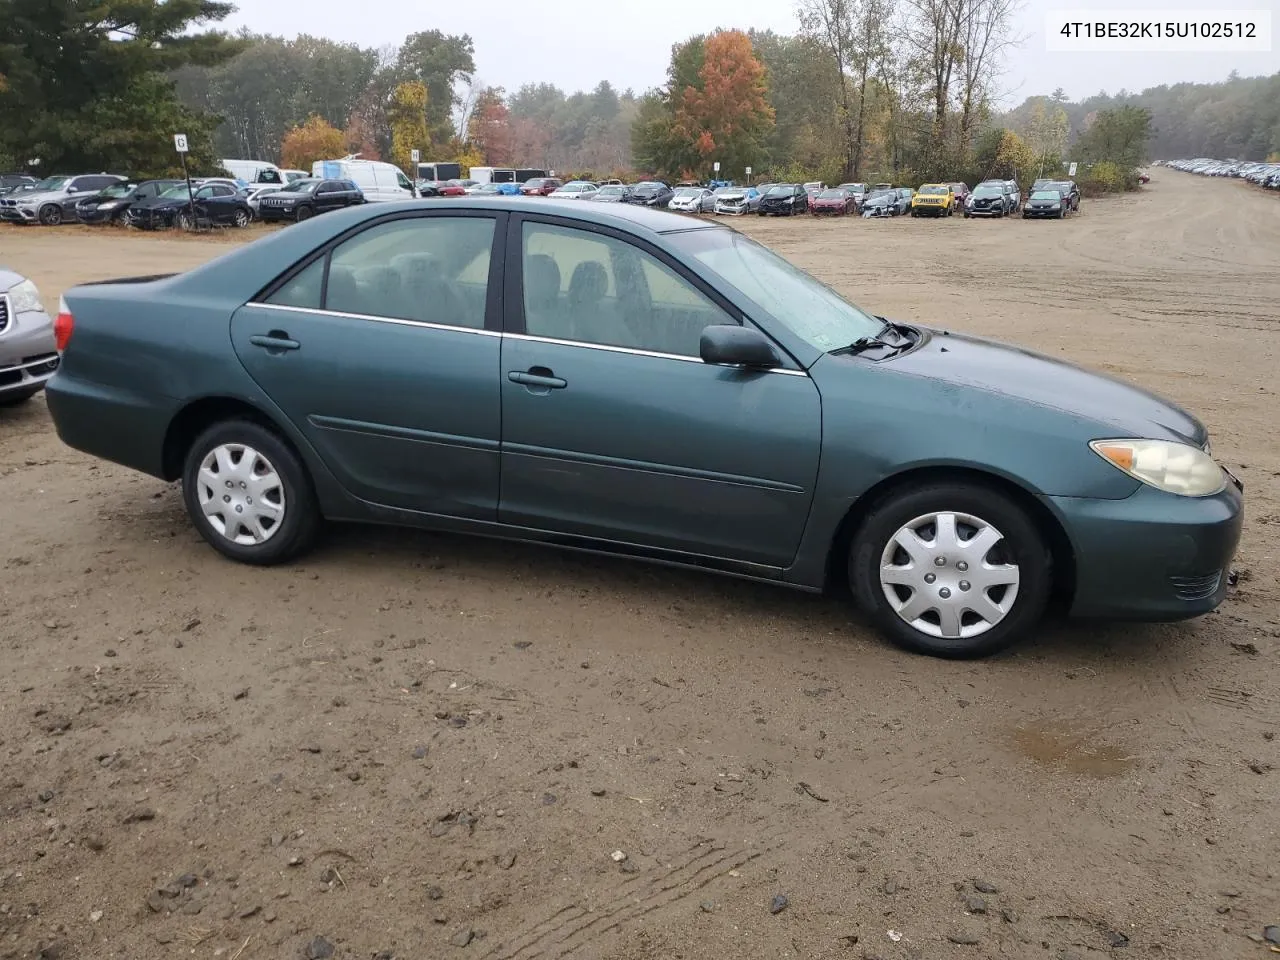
x,y
604,214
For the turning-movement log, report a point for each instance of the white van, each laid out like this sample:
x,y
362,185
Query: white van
x,y
491,175
254,171
377,180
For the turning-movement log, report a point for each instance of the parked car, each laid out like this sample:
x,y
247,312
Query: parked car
x,y
893,202
540,186
214,203
612,193
933,200
692,200
651,193
303,199
989,199
28,352
1048,202
574,190
961,192
12,181
812,189
439,188
53,199
784,200
1015,194
112,204
736,201
955,484
835,202
378,180
1072,192
496,189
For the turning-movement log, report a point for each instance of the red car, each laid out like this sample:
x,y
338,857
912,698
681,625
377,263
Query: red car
x,y
540,186
961,191
834,202
441,188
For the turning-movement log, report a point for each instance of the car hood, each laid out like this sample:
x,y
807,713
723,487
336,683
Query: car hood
x,y
8,278
1128,410
34,197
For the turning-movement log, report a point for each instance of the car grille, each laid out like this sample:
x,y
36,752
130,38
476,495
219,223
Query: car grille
x,y
4,314
1196,588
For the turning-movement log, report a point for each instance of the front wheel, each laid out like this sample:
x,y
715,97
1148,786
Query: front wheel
x,y
248,494
305,213
241,219
50,215
186,221
951,569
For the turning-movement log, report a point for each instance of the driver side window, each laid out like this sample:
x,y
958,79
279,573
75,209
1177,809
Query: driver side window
x,y
592,288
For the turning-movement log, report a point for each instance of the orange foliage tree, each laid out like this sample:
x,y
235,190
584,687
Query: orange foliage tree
x,y
314,140
726,116
490,128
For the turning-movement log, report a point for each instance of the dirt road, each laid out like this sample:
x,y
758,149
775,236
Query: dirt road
x,y
421,746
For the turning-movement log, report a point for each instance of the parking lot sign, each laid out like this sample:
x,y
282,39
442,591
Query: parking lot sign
x,y
716,166
180,142
1071,170
413,156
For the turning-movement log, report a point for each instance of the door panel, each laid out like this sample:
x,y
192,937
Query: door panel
x,y
614,429
395,374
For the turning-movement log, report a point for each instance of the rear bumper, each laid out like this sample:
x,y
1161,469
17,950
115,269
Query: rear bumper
x,y
1152,556
118,425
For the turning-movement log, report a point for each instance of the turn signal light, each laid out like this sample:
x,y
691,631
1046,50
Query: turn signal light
x,y
63,326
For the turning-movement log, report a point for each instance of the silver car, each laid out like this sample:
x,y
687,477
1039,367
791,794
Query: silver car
x,y
53,200
28,353
693,200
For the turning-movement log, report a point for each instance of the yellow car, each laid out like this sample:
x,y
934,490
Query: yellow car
x,y
934,199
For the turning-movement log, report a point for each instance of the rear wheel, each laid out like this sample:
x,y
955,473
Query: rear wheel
x,y
248,494
951,569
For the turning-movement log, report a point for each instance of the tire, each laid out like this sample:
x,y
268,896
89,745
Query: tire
x,y
915,213
1018,544
284,539
967,214
50,215
304,213
241,219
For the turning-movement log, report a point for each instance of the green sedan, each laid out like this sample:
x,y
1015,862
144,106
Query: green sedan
x,y
611,378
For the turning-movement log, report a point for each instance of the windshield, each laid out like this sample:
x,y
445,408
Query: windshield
x,y
614,191
831,195
988,192
812,310
51,183
688,192
648,187
780,191
300,186
571,188
931,191
116,190
1046,195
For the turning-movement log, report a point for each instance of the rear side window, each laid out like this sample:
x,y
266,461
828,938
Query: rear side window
x,y
304,290
429,269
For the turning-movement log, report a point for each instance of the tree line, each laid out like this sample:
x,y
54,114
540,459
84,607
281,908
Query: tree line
x,y
899,90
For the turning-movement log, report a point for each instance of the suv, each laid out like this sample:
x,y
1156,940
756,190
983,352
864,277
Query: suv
x,y
112,204
1015,195
784,200
54,199
934,199
540,186
990,198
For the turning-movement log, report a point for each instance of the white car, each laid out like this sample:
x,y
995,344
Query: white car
x,y
575,190
693,200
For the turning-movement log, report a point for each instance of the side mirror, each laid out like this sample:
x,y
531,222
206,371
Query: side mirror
x,y
731,345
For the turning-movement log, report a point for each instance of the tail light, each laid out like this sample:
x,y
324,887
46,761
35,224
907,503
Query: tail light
x,y
63,326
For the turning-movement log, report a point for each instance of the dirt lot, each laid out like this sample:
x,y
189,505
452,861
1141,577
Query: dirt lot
x,y
422,746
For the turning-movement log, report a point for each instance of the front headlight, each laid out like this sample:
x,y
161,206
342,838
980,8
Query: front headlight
x,y
109,205
1177,468
25,298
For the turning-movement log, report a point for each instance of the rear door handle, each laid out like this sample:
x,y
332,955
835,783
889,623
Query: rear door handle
x,y
537,380
275,340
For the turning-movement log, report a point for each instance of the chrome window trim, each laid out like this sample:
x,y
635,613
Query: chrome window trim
x,y
632,351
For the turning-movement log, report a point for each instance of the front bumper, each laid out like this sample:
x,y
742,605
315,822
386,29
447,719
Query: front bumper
x,y
151,219
936,209
1036,212
18,214
733,209
97,215
1152,556
28,355
269,214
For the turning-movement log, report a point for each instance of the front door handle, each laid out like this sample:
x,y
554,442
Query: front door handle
x,y
538,379
275,341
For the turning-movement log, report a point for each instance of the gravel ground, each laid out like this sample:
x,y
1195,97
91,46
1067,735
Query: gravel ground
x,y
426,746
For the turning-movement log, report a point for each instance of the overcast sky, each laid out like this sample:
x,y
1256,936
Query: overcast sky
x,y
628,42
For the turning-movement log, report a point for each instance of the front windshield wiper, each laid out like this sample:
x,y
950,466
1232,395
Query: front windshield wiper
x,y
863,344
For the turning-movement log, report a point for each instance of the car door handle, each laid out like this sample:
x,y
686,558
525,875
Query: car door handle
x,y
274,341
531,379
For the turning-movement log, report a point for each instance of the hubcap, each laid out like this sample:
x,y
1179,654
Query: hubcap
x,y
946,575
240,493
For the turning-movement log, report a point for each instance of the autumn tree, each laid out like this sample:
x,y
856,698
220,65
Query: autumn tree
x,y
490,128
314,140
1046,133
407,115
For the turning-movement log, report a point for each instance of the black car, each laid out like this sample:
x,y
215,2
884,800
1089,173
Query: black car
x,y
1069,188
214,203
784,200
989,199
1048,201
303,199
112,204
651,193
